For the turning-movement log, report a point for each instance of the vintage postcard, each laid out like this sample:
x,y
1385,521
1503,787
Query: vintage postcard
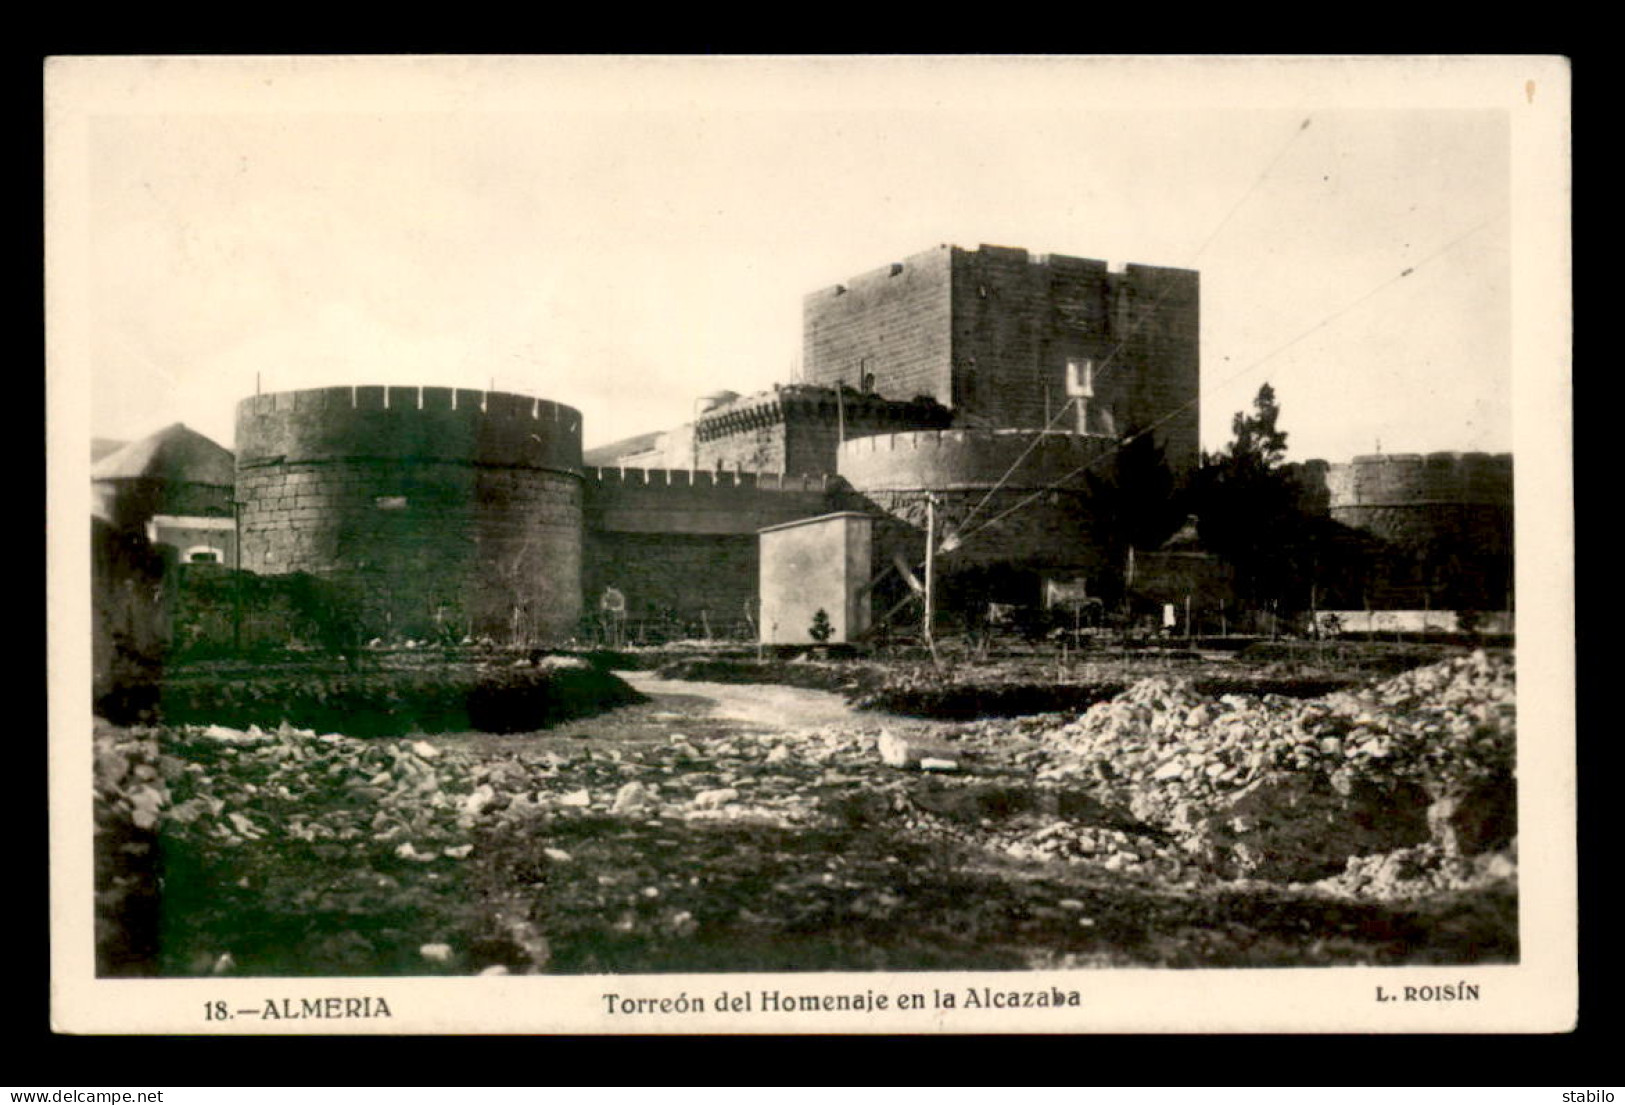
x,y
810,545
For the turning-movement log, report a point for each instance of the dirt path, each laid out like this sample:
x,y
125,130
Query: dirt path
x,y
767,707
700,712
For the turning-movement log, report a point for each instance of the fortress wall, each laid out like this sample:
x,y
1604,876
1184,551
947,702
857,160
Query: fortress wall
x,y
677,500
681,545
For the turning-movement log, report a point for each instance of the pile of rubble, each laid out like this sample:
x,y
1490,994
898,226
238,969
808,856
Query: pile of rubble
x,y
417,801
300,830
1295,790
232,787
1418,872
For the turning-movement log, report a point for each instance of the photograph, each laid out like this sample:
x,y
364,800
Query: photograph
x,y
662,544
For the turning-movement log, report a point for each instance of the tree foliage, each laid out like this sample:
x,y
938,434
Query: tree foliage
x,y
1259,444
1134,503
1248,508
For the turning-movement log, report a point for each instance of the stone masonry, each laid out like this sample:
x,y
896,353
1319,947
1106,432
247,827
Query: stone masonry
x,y
1006,338
449,511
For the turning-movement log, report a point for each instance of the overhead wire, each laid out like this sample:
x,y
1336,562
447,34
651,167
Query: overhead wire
x,y
959,538
1134,328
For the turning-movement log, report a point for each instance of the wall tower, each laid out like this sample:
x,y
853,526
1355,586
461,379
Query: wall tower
x,y
447,511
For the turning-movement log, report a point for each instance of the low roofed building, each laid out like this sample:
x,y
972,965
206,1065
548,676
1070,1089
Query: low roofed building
x,y
176,485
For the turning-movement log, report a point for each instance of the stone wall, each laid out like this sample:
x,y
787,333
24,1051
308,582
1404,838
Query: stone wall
x,y
1421,480
968,459
793,430
676,585
681,545
1444,522
681,501
894,323
457,509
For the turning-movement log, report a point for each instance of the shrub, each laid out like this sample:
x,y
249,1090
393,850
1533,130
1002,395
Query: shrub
x,y
821,630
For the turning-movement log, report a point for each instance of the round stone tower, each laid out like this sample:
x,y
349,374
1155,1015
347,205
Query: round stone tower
x,y
1454,500
1447,516
442,511
1038,518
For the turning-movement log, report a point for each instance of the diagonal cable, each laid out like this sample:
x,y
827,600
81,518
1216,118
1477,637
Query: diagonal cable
x,y
963,535
1142,317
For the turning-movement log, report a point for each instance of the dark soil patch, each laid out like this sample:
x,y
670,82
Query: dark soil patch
x,y
968,701
1311,686
731,898
306,910
608,659
385,701
1369,657
976,803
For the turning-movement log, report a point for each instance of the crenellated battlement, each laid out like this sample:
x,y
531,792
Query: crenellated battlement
x,y
685,501
458,425
890,274
949,459
363,397
963,438
611,478
1412,479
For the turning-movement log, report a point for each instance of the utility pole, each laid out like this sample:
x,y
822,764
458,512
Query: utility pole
x,y
237,573
930,573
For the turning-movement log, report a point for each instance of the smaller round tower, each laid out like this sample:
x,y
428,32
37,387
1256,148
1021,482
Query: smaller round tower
x,y
1017,498
1440,499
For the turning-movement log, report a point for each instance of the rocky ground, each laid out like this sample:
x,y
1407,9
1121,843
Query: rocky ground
x,y
1162,827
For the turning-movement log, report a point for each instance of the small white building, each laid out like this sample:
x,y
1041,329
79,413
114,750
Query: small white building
x,y
816,564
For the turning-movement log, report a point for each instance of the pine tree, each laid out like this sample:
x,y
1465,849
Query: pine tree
x,y
1248,506
1259,445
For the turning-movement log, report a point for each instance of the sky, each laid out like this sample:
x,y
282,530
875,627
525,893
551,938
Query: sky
x,y
625,235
